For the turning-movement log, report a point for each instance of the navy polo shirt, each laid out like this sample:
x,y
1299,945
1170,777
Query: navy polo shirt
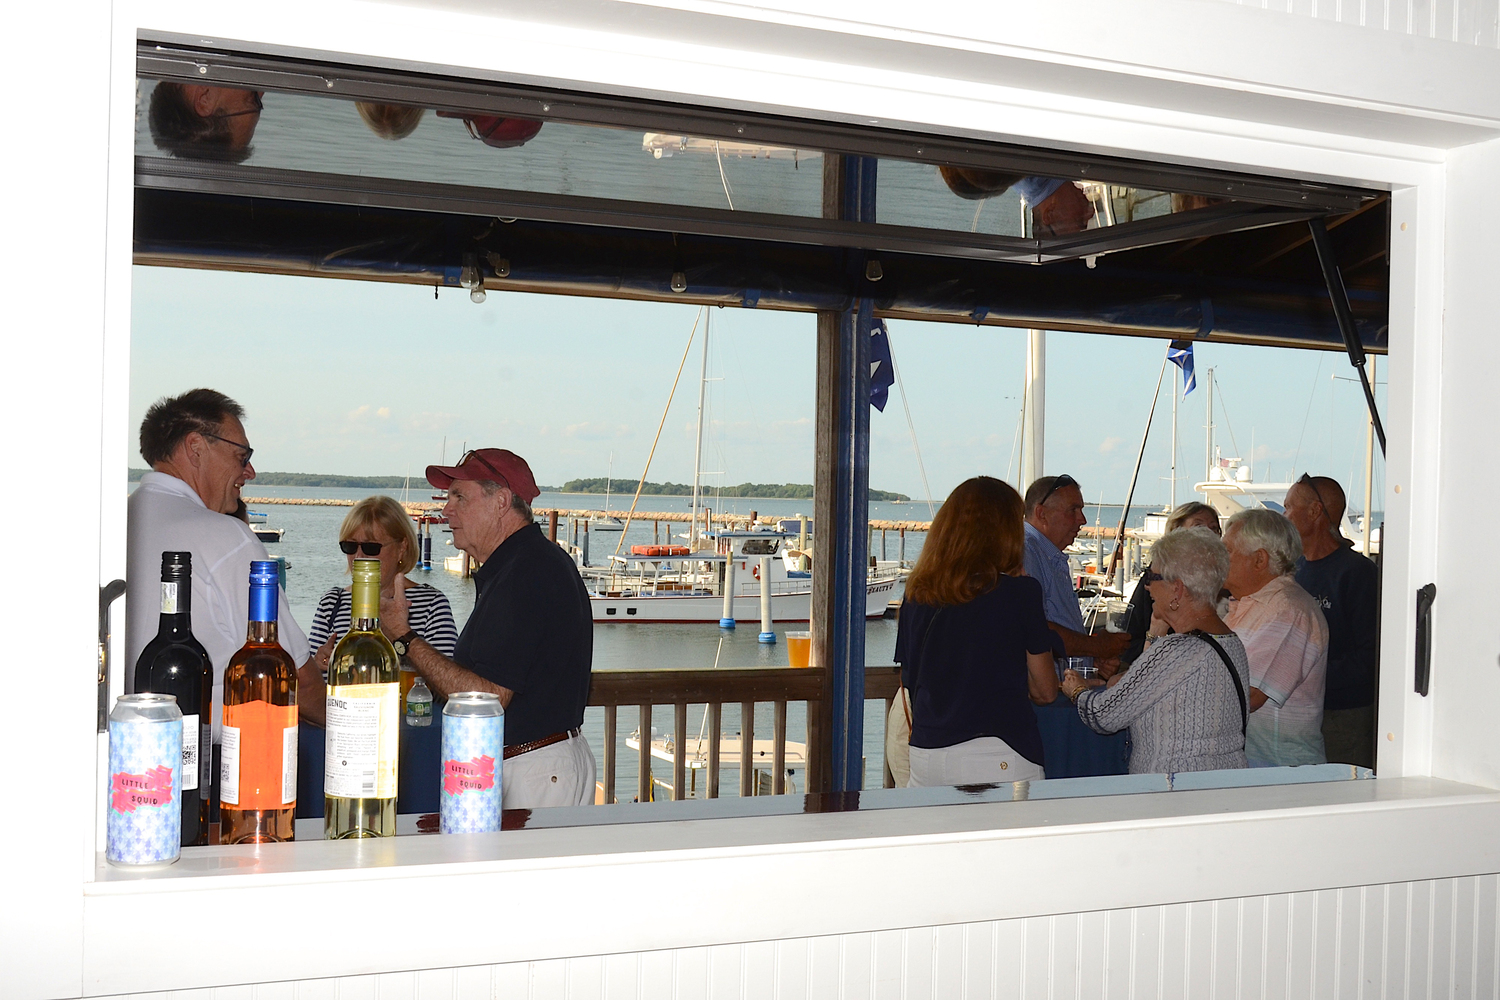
x,y
532,631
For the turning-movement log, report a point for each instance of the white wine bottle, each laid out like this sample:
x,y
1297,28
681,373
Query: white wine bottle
x,y
363,721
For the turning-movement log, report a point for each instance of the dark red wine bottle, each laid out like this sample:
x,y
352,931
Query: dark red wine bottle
x,y
177,664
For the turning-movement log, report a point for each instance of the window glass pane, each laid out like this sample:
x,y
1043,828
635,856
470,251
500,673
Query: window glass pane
x,y
297,132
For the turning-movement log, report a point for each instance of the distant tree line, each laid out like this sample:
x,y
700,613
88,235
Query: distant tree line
x,y
787,491
320,479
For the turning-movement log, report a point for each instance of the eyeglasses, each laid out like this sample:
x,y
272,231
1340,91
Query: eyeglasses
x,y
1060,482
368,548
244,459
1150,576
471,453
254,100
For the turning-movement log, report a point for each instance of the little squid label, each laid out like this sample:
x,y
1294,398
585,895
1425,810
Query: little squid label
x,y
129,791
475,775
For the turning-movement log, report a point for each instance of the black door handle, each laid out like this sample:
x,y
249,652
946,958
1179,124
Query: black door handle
x,y
1425,596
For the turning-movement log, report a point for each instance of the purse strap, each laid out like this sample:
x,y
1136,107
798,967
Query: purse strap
x,y
1239,687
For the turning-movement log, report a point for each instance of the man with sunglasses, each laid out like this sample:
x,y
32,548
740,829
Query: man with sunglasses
x,y
1346,585
1054,513
199,456
530,638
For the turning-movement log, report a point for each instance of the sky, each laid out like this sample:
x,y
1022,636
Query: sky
x,y
371,378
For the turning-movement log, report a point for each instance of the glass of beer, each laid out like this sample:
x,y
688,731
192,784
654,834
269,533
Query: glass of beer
x,y
799,648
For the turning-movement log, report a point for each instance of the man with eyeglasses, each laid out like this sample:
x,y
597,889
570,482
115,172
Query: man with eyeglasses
x,y
199,456
203,122
1346,585
1054,513
529,639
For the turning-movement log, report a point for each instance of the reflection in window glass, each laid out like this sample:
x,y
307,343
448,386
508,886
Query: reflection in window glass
x,y
296,132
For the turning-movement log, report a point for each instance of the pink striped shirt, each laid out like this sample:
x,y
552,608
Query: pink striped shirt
x,y
1286,638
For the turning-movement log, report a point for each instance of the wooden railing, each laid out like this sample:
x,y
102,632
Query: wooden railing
x,y
745,686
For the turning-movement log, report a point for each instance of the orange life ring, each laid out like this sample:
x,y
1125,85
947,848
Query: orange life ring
x,y
756,571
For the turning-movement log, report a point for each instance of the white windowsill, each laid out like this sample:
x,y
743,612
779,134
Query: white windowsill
x,y
798,875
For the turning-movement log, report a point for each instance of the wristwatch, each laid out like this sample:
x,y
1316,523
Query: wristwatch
x,y
403,643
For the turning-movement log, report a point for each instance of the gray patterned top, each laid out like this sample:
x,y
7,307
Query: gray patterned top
x,y
1180,705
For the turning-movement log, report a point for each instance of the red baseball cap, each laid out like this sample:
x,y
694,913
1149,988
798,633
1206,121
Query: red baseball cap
x,y
494,464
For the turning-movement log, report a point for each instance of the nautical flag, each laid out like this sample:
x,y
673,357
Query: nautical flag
x,y
1180,353
882,370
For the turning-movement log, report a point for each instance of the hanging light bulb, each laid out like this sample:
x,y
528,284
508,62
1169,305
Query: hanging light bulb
x,y
472,278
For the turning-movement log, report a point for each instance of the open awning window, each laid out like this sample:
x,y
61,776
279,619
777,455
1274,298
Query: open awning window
x,y
277,164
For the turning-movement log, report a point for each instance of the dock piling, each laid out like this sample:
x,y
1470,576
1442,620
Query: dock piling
x,y
766,635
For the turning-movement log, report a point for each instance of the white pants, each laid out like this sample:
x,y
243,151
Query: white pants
x,y
981,761
560,775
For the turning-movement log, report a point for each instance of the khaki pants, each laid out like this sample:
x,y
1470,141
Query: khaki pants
x,y
560,775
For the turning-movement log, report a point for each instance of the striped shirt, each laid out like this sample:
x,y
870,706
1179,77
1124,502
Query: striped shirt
x,y
1180,705
1286,639
430,615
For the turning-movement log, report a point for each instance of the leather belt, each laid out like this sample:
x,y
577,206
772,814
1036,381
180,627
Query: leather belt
x,y
545,741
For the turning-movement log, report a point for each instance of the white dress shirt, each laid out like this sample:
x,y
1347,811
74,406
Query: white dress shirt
x,y
166,515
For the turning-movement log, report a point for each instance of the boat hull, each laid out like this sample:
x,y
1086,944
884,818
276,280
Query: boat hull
x,y
700,608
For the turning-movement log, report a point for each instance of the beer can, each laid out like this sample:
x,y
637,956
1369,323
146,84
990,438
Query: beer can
x,y
144,827
473,750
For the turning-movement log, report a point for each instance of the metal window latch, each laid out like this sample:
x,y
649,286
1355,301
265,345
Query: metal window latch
x,y
1425,597
108,594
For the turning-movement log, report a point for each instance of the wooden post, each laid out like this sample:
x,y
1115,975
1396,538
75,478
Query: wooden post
x,y
552,525
747,749
841,505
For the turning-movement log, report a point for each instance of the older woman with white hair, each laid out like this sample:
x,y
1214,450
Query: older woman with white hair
x,y
1184,699
1285,637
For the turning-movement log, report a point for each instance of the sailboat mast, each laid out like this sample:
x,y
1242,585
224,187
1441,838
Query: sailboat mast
x,y
1208,441
698,440
1033,437
1174,442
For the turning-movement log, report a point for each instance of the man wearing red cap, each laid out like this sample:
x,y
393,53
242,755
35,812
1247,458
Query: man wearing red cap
x,y
530,638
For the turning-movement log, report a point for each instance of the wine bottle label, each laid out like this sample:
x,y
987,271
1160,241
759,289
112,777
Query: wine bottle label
x,y
169,597
190,731
362,739
289,765
205,759
260,763
229,765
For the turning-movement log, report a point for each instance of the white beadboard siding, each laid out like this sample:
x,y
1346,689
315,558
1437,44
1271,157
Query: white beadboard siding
x,y
1468,22
1432,938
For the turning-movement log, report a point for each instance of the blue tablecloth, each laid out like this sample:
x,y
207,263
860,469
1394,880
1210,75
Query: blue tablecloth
x,y
417,779
1074,750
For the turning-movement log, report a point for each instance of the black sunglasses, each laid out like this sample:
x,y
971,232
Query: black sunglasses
x,y
368,548
1060,482
1307,481
244,459
1150,576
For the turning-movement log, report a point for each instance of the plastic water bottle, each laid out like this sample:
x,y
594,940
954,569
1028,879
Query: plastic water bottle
x,y
419,704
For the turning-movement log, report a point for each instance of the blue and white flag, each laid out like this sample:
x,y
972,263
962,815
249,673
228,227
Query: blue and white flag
x,y
882,370
1180,353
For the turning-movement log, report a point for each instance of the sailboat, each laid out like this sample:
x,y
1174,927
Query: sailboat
x,y
608,522
718,576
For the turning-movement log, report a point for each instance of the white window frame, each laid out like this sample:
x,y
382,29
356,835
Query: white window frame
x,y
78,933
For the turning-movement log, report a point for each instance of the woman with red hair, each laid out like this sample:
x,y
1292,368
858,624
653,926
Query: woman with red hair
x,y
974,645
